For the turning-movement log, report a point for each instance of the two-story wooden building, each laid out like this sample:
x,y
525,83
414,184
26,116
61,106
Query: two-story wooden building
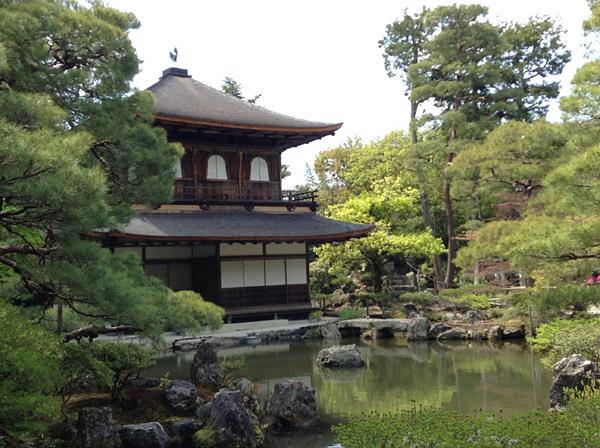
x,y
231,233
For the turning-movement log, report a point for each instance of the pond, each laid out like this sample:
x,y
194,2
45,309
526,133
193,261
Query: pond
x,y
467,377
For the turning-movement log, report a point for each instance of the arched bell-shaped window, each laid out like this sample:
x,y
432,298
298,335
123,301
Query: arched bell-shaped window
x,y
216,168
259,170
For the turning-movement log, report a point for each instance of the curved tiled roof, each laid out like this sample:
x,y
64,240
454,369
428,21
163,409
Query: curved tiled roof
x,y
181,98
236,226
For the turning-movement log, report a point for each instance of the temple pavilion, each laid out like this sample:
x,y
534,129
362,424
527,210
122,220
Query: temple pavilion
x,y
230,232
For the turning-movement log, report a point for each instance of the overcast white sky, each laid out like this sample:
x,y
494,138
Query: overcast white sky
x,y
317,60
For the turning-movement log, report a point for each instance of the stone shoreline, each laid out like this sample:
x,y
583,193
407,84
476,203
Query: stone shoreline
x,y
414,329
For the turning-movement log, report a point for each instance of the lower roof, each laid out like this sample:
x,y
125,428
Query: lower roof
x,y
235,226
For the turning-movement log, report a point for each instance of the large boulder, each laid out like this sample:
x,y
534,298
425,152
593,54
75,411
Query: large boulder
x,y
205,369
495,333
574,372
327,331
232,423
376,312
292,406
436,329
181,396
473,315
97,429
410,310
144,435
184,431
340,356
453,334
514,332
417,329
248,390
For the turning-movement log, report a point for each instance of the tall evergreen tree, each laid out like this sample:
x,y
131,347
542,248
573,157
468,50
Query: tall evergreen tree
x,y
77,149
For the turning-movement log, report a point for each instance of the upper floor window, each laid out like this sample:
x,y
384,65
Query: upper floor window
x,y
216,168
177,169
259,170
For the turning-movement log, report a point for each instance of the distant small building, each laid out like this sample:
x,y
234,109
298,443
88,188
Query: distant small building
x,y
231,233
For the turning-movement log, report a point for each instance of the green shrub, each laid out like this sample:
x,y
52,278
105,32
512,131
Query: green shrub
x,y
480,302
189,312
30,373
111,366
350,313
315,315
576,427
486,290
423,298
562,337
205,437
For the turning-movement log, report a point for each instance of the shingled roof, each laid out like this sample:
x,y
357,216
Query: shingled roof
x,y
179,98
236,226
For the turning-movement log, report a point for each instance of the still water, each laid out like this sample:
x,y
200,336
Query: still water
x,y
466,377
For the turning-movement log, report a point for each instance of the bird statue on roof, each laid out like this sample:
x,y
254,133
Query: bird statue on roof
x,y
173,54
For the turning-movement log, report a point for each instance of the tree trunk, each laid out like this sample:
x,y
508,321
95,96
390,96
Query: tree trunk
x,y
449,213
59,319
425,211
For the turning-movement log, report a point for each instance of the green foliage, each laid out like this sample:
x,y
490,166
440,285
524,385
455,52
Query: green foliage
x,y
475,74
189,312
573,428
423,298
234,88
315,315
30,374
391,208
77,148
476,301
111,366
205,437
350,313
561,338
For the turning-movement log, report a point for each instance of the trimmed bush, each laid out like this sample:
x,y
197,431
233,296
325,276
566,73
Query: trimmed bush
x,y
563,337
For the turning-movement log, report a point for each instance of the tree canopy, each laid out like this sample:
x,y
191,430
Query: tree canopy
x,y
77,149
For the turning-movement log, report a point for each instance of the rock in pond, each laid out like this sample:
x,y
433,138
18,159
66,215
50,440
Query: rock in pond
x,y
292,406
437,329
205,369
144,435
495,333
180,396
248,390
340,356
328,331
97,429
454,334
231,422
184,430
417,329
513,332
574,372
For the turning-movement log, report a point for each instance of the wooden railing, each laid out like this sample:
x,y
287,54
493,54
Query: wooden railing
x,y
230,191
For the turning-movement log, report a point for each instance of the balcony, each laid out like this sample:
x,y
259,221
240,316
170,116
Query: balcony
x,y
249,194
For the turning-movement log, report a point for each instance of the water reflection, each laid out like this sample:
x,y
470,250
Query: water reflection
x,y
462,376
